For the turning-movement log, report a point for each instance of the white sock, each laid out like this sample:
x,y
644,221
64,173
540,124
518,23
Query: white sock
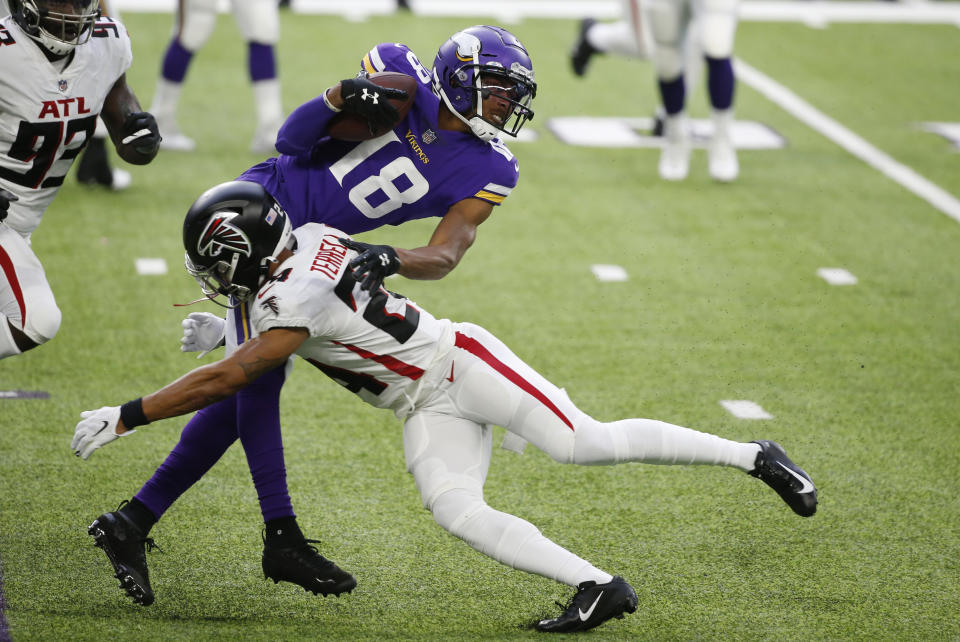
x,y
165,100
266,97
651,441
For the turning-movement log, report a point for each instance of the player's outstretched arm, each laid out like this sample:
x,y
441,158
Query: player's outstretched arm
x,y
134,132
451,239
195,390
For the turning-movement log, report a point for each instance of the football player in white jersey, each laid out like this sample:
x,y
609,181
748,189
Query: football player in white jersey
x,y
448,382
60,66
259,24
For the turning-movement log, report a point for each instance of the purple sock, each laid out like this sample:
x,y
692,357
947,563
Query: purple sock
x,y
674,94
175,62
203,441
260,62
720,82
258,411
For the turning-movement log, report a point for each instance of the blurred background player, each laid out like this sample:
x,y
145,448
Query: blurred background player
x,y
629,37
94,167
60,66
712,25
259,24
676,34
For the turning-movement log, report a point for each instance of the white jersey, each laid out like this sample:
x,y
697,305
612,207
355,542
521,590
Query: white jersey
x,y
48,111
378,346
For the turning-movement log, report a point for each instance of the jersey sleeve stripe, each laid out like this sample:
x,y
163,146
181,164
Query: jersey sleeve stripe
x,y
372,62
490,196
498,189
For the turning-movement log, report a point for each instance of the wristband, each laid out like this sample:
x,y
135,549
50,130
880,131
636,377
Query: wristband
x,y
326,101
131,414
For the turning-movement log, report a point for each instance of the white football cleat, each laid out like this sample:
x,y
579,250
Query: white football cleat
x,y
675,156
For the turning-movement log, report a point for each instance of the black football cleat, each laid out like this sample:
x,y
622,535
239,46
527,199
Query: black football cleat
x,y
790,481
582,49
591,606
304,566
125,546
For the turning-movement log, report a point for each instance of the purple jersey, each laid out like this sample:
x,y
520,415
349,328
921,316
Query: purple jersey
x,y
414,171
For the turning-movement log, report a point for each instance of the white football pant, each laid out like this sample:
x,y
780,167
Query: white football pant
x,y
26,300
447,443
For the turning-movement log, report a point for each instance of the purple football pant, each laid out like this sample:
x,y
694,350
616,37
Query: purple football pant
x,y
208,435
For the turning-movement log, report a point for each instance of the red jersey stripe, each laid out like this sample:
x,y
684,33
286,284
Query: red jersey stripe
x,y
391,363
474,347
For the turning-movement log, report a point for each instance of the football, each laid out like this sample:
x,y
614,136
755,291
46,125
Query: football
x,y
353,127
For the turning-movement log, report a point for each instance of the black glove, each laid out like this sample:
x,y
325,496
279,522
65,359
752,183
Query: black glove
x,y
375,263
369,100
5,199
140,135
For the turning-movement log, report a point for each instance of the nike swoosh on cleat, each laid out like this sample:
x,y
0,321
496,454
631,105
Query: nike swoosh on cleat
x,y
807,485
324,581
585,616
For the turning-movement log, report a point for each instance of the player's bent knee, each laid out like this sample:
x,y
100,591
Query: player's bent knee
x,y
43,323
197,28
595,444
258,21
717,36
668,62
454,509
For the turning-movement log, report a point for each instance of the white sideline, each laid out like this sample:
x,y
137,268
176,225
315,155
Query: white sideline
x,y
817,120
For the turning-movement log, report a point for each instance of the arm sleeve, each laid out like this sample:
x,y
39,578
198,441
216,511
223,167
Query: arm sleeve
x,y
304,127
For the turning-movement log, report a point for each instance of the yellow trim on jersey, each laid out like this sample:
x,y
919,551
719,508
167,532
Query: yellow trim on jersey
x,y
245,321
367,64
490,196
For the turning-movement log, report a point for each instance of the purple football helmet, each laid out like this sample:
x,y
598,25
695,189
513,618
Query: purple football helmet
x,y
480,60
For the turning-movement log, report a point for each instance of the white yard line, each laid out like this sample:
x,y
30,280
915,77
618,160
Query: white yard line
x,y
820,122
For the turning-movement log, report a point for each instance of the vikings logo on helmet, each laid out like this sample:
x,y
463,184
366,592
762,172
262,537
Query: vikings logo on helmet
x,y
220,234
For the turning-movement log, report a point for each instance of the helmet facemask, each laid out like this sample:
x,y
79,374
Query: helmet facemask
x,y
58,25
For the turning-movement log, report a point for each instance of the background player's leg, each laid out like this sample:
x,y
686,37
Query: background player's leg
x,y
259,23
194,24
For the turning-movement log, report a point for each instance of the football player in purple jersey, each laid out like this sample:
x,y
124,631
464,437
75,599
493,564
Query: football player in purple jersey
x,y
448,382
443,159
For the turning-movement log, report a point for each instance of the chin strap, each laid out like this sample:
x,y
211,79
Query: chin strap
x,y
480,128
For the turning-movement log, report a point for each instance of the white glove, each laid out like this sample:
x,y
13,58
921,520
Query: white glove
x,y
202,331
98,428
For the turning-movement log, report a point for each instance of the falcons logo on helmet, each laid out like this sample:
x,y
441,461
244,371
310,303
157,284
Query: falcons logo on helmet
x,y
220,234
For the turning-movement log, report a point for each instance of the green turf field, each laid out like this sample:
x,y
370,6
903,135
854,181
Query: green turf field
x,y
723,302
